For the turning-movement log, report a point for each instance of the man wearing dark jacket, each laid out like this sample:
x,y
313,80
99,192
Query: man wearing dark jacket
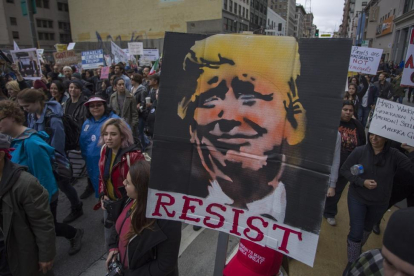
x,y
385,89
27,236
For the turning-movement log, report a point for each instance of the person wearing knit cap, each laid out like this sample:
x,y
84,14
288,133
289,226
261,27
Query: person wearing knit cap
x,y
397,254
74,105
27,236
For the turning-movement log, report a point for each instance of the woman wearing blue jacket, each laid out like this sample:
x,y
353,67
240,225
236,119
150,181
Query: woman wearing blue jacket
x,y
97,112
32,150
47,116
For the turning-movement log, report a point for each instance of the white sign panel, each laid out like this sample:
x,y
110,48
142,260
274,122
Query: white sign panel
x,y
393,121
364,60
28,63
151,54
408,73
136,48
71,45
118,53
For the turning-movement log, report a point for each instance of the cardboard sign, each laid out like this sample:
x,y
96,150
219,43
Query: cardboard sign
x,y
71,46
408,73
118,53
28,63
92,59
365,60
151,54
393,121
244,151
104,72
66,58
61,47
135,48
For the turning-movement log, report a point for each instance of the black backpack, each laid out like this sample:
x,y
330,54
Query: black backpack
x,y
72,131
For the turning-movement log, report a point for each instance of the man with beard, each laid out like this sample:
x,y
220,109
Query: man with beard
x,y
244,116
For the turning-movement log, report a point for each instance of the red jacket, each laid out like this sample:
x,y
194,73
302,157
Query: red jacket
x,y
120,168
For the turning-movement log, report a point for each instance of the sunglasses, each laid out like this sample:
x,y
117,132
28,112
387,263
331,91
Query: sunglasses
x,y
95,105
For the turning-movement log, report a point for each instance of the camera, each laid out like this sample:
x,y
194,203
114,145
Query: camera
x,y
115,268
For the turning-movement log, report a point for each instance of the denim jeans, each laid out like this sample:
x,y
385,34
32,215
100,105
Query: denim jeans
x,y
363,113
142,137
362,217
66,187
398,99
331,203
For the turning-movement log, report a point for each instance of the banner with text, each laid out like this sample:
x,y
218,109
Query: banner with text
x,y
118,54
393,121
151,54
135,48
92,59
66,58
365,60
408,73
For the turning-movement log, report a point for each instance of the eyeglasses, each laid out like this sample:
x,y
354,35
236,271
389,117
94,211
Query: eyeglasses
x,y
95,105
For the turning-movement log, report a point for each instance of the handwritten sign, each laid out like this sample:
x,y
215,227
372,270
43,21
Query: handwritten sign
x,y
118,53
61,47
104,73
408,73
92,59
393,121
136,48
66,58
364,60
151,54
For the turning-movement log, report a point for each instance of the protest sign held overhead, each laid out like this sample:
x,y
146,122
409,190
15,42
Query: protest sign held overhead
x,y
28,63
66,58
118,53
364,60
135,48
71,46
151,54
408,73
61,47
104,72
92,59
242,149
393,121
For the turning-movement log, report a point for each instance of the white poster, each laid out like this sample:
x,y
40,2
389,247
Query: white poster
x,y
71,45
393,121
408,73
28,63
151,54
364,60
135,48
118,53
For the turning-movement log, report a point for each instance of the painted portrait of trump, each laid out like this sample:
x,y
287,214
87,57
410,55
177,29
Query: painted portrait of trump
x,y
244,116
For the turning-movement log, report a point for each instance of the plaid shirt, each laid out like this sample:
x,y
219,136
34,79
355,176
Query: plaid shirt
x,y
369,263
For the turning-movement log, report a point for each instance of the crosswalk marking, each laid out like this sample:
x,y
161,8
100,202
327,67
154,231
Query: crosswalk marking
x,y
188,235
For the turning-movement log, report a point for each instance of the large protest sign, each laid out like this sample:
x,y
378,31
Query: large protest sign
x,y
239,145
408,73
136,48
151,54
92,59
66,58
393,121
118,53
28,63
365,60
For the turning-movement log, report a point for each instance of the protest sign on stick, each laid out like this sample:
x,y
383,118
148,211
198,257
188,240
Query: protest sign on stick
x,y
365,60
104,72
244,151
151,54
393,121
408,73
71,46
135,48
28,63
92,59
66,58
118,53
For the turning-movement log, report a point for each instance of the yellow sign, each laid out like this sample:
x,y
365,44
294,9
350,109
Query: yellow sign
x,y
61,47
326,35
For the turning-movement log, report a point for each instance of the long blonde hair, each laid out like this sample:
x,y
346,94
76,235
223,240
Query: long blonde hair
x,y
124,130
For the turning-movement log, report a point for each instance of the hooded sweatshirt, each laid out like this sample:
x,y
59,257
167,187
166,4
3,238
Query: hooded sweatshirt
x,y
54,111
381,168
32,151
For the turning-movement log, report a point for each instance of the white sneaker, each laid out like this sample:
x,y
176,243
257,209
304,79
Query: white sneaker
x,y
331,221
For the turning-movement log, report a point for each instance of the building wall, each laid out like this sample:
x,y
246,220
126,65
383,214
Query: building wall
x,y
258,15
287,10
4,33
404,21
236,16
275,22
13,10
138,20
300,21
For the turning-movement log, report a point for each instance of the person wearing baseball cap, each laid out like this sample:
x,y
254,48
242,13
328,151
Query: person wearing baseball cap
x,y
397,254
253,259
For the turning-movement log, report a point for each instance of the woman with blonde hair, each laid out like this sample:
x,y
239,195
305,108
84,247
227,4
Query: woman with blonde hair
x,y
143,246
12,89
118,153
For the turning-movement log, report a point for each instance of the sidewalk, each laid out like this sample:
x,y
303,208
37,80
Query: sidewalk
x,y
97,268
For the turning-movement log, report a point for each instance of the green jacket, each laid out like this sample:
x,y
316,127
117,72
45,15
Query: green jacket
x,y
27,222
398,90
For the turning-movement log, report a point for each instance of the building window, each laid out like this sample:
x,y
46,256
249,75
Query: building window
x,y
235,8
15,35
240,10
13,21
65,38
46,36
42,4
10,1
42,23
231,6
408,5
64,6
64,26
225,5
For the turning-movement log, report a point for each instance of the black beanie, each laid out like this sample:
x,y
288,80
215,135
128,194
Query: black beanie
x,y
399,234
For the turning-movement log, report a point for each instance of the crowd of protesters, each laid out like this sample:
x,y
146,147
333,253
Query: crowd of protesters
x,y
111,122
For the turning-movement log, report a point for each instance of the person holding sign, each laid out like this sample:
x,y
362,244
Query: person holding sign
x,y
370,169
